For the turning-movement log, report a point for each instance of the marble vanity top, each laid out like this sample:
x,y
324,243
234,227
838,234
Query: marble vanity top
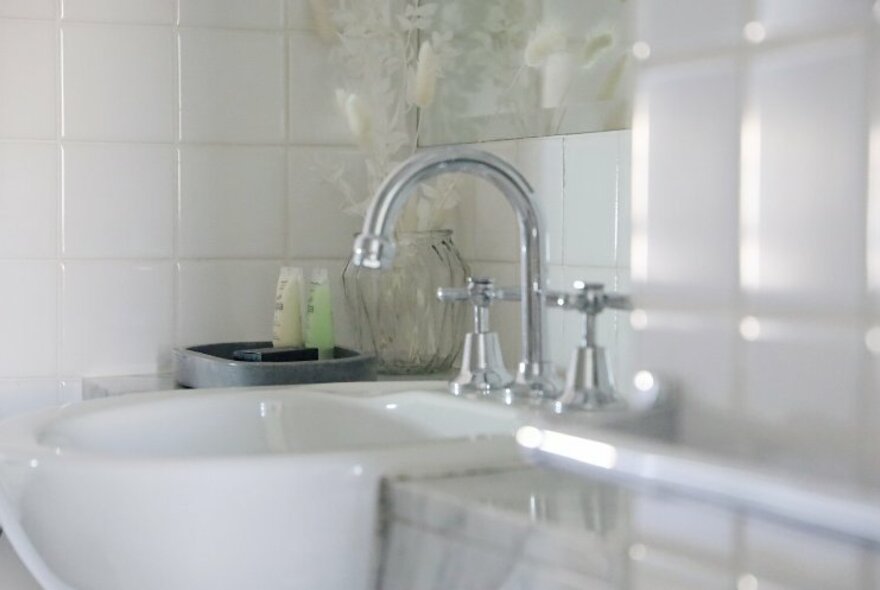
x,y
530,528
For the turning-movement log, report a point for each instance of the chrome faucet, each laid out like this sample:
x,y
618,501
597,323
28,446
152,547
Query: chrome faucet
x,y
374,247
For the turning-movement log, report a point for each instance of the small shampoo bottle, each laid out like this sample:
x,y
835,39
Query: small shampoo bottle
x,y
319,315
287,323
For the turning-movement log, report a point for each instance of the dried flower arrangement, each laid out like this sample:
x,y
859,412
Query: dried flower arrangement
x,y
388,77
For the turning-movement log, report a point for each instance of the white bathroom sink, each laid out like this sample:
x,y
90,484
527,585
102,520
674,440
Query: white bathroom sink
x,y
248,488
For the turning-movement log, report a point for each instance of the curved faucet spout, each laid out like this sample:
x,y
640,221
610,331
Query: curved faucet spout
x,y
374,247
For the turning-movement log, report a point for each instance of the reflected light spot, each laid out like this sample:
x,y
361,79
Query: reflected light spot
x,y
390,406
638,319
641,50
357,470
644,381
34,463
754,32
872,340
747,582
750,328
583,450
529,437
637,552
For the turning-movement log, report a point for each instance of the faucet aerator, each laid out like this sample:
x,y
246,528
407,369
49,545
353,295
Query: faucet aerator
x,y
372,252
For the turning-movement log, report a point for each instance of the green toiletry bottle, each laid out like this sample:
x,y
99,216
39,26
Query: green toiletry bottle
x,y
319,315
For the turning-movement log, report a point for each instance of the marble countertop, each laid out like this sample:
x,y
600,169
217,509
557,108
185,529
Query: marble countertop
x,y
540,528
547,518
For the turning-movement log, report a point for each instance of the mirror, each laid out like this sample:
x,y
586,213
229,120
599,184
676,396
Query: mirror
x,y
527,68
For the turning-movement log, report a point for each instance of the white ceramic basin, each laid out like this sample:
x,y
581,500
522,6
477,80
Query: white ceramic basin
x,y
249,488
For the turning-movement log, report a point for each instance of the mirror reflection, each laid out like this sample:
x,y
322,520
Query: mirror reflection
x,y
527,68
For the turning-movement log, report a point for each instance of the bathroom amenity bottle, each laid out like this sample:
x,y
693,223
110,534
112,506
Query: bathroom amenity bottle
x,y
287,323
319,315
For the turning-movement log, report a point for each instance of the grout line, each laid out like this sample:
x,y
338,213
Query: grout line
x,y
60,269
288,188
178,193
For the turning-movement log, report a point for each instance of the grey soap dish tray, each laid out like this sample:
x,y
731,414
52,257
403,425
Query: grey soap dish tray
x,y
213,365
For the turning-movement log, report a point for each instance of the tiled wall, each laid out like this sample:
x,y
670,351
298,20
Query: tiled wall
x,y
154,176
581,185
756,151
161,159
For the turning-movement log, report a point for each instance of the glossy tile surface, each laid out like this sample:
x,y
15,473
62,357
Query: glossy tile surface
x,y
128,330
121,11
232,86
127,214
118,82
29,202
28,58
232,202
29,312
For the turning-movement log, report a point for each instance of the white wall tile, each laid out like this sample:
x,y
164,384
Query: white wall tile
x,y
693,355
261,14
299,15
118,82
232,86
541,162
689,25
119,200
789,369
226,301
28,318
28,200
319,227
787,17
232,202
27,79
117,317
24,395
810,106
121,11
495,231
624,197
625,347
314,114
800,558
591,211
44,9
692,212
558,351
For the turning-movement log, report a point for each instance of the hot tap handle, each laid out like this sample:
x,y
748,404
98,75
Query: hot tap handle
x,y
618,301
452,294
588,298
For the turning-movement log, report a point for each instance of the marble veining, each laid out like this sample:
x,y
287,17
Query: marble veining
x,y
528,528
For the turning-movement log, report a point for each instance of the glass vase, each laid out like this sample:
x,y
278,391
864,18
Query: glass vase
x,y
395,312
